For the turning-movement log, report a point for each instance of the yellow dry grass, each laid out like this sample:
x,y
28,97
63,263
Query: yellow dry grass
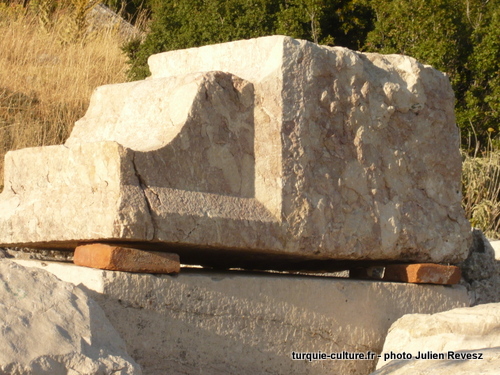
x,y
481,191
48,71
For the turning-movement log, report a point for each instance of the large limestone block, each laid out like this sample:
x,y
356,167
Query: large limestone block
x,y
225,323
254,153
461,329
52,327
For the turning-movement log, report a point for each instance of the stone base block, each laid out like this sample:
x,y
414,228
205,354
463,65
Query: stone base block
x,y
250,323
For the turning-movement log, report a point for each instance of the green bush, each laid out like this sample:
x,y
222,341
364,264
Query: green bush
x,y
459,38
184,24
481,107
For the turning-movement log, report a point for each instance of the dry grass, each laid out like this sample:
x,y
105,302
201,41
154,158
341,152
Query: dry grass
x,y
48,70
481,191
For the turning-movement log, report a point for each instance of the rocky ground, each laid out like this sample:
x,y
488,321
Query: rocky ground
x,y
54,328
481,270
459,341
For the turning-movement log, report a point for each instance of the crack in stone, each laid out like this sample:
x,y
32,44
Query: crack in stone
x,y
191,231
157,196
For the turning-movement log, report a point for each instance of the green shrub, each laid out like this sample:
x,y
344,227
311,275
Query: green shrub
x,y
185,24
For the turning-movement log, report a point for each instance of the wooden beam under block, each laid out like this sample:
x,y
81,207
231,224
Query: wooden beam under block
x,y
419,273
117,258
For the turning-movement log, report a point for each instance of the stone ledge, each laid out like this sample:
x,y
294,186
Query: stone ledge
x,y
249,323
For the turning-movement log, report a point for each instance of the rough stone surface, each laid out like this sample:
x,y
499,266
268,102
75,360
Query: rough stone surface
x,y
102,19
217,323
495,244
119,258
489,365
481,270
460,329
480,263
271,149
52,327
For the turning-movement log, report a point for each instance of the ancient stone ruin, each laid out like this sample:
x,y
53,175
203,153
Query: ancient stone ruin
x,y
268,153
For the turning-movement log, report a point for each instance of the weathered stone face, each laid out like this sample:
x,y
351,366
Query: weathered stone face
x,y
264,149
50,327
461,330
226,323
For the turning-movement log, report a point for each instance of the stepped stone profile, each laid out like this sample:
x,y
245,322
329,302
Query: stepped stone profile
x,y
256,153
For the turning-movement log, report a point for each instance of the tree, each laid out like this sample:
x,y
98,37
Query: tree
x,y
343,22
183,24
431,31
435,32
481,107
302,18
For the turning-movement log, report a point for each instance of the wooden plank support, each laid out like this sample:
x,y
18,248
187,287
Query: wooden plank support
x,y
117,258
419,273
